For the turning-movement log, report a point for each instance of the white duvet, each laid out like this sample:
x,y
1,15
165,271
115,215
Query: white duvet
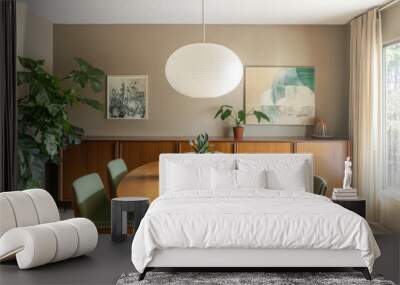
x,y
250,219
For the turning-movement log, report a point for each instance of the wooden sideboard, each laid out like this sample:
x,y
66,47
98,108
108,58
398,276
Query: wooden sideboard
x,y
95,152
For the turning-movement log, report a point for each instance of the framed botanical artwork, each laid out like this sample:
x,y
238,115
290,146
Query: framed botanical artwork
x,y
127,97
285,94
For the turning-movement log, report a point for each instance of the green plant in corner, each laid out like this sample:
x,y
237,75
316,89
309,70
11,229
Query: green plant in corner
x,y
200,144
44,127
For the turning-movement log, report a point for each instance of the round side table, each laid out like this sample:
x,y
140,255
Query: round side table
x,y
119,215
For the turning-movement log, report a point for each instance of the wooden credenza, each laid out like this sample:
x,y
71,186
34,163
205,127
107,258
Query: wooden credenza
x,y
95,152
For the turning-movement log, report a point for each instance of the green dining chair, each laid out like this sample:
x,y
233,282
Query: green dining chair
x,y
116,171
320,185
92,201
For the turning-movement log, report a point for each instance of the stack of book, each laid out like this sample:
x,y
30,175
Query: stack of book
x,y
344,194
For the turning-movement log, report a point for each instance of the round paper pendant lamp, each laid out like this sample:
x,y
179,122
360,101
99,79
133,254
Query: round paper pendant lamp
x,y
204,70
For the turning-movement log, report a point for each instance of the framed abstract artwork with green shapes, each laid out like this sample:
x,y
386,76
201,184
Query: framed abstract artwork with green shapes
x,y
285,94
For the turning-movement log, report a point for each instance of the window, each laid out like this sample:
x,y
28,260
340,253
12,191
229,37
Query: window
x,y
391,116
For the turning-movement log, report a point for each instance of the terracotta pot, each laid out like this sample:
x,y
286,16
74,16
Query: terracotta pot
x,y
238,133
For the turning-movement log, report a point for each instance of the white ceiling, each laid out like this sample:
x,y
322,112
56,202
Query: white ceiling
x,y
189,11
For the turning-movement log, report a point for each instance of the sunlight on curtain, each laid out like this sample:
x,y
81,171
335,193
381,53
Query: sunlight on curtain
x,y
392,117
365,106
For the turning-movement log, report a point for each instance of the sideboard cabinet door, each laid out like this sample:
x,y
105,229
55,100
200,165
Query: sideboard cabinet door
x,y
264,147
73,165
137,153
329,157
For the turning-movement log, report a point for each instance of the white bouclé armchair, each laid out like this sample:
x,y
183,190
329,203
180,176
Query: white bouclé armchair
x,y
31,231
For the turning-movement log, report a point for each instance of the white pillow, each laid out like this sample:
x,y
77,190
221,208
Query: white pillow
x,y
184,177
293,179
251,178
223,179
290,173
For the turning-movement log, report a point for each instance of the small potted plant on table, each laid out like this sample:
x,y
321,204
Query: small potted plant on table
x,y
238,118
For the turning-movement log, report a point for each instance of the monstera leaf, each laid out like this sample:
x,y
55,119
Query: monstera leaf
x,y
87,74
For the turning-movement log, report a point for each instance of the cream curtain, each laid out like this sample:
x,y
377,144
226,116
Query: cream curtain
x,y
365,106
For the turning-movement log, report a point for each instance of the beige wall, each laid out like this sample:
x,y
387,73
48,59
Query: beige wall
x,y
389,206
34,36
144,49
391,24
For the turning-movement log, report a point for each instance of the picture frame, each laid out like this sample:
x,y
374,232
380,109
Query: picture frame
x,y
127,97
285,93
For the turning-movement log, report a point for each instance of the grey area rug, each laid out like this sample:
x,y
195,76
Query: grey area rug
x,y
233,278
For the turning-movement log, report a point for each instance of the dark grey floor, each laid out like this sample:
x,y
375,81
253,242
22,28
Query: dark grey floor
x,y
103,266
388,264
111,259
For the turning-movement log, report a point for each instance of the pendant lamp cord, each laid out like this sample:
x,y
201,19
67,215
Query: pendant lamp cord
x,y
204,23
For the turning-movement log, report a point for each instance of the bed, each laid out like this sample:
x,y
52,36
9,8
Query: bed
x,y
247,210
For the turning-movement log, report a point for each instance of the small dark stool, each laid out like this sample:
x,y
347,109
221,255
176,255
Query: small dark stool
x,y
119,215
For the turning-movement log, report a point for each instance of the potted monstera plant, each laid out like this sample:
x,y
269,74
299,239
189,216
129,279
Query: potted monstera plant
x,y
238,118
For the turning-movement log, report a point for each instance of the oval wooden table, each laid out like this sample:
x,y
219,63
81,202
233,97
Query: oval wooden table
x,y
140,182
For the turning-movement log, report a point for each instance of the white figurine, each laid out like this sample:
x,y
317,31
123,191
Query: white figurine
x,y
347,174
